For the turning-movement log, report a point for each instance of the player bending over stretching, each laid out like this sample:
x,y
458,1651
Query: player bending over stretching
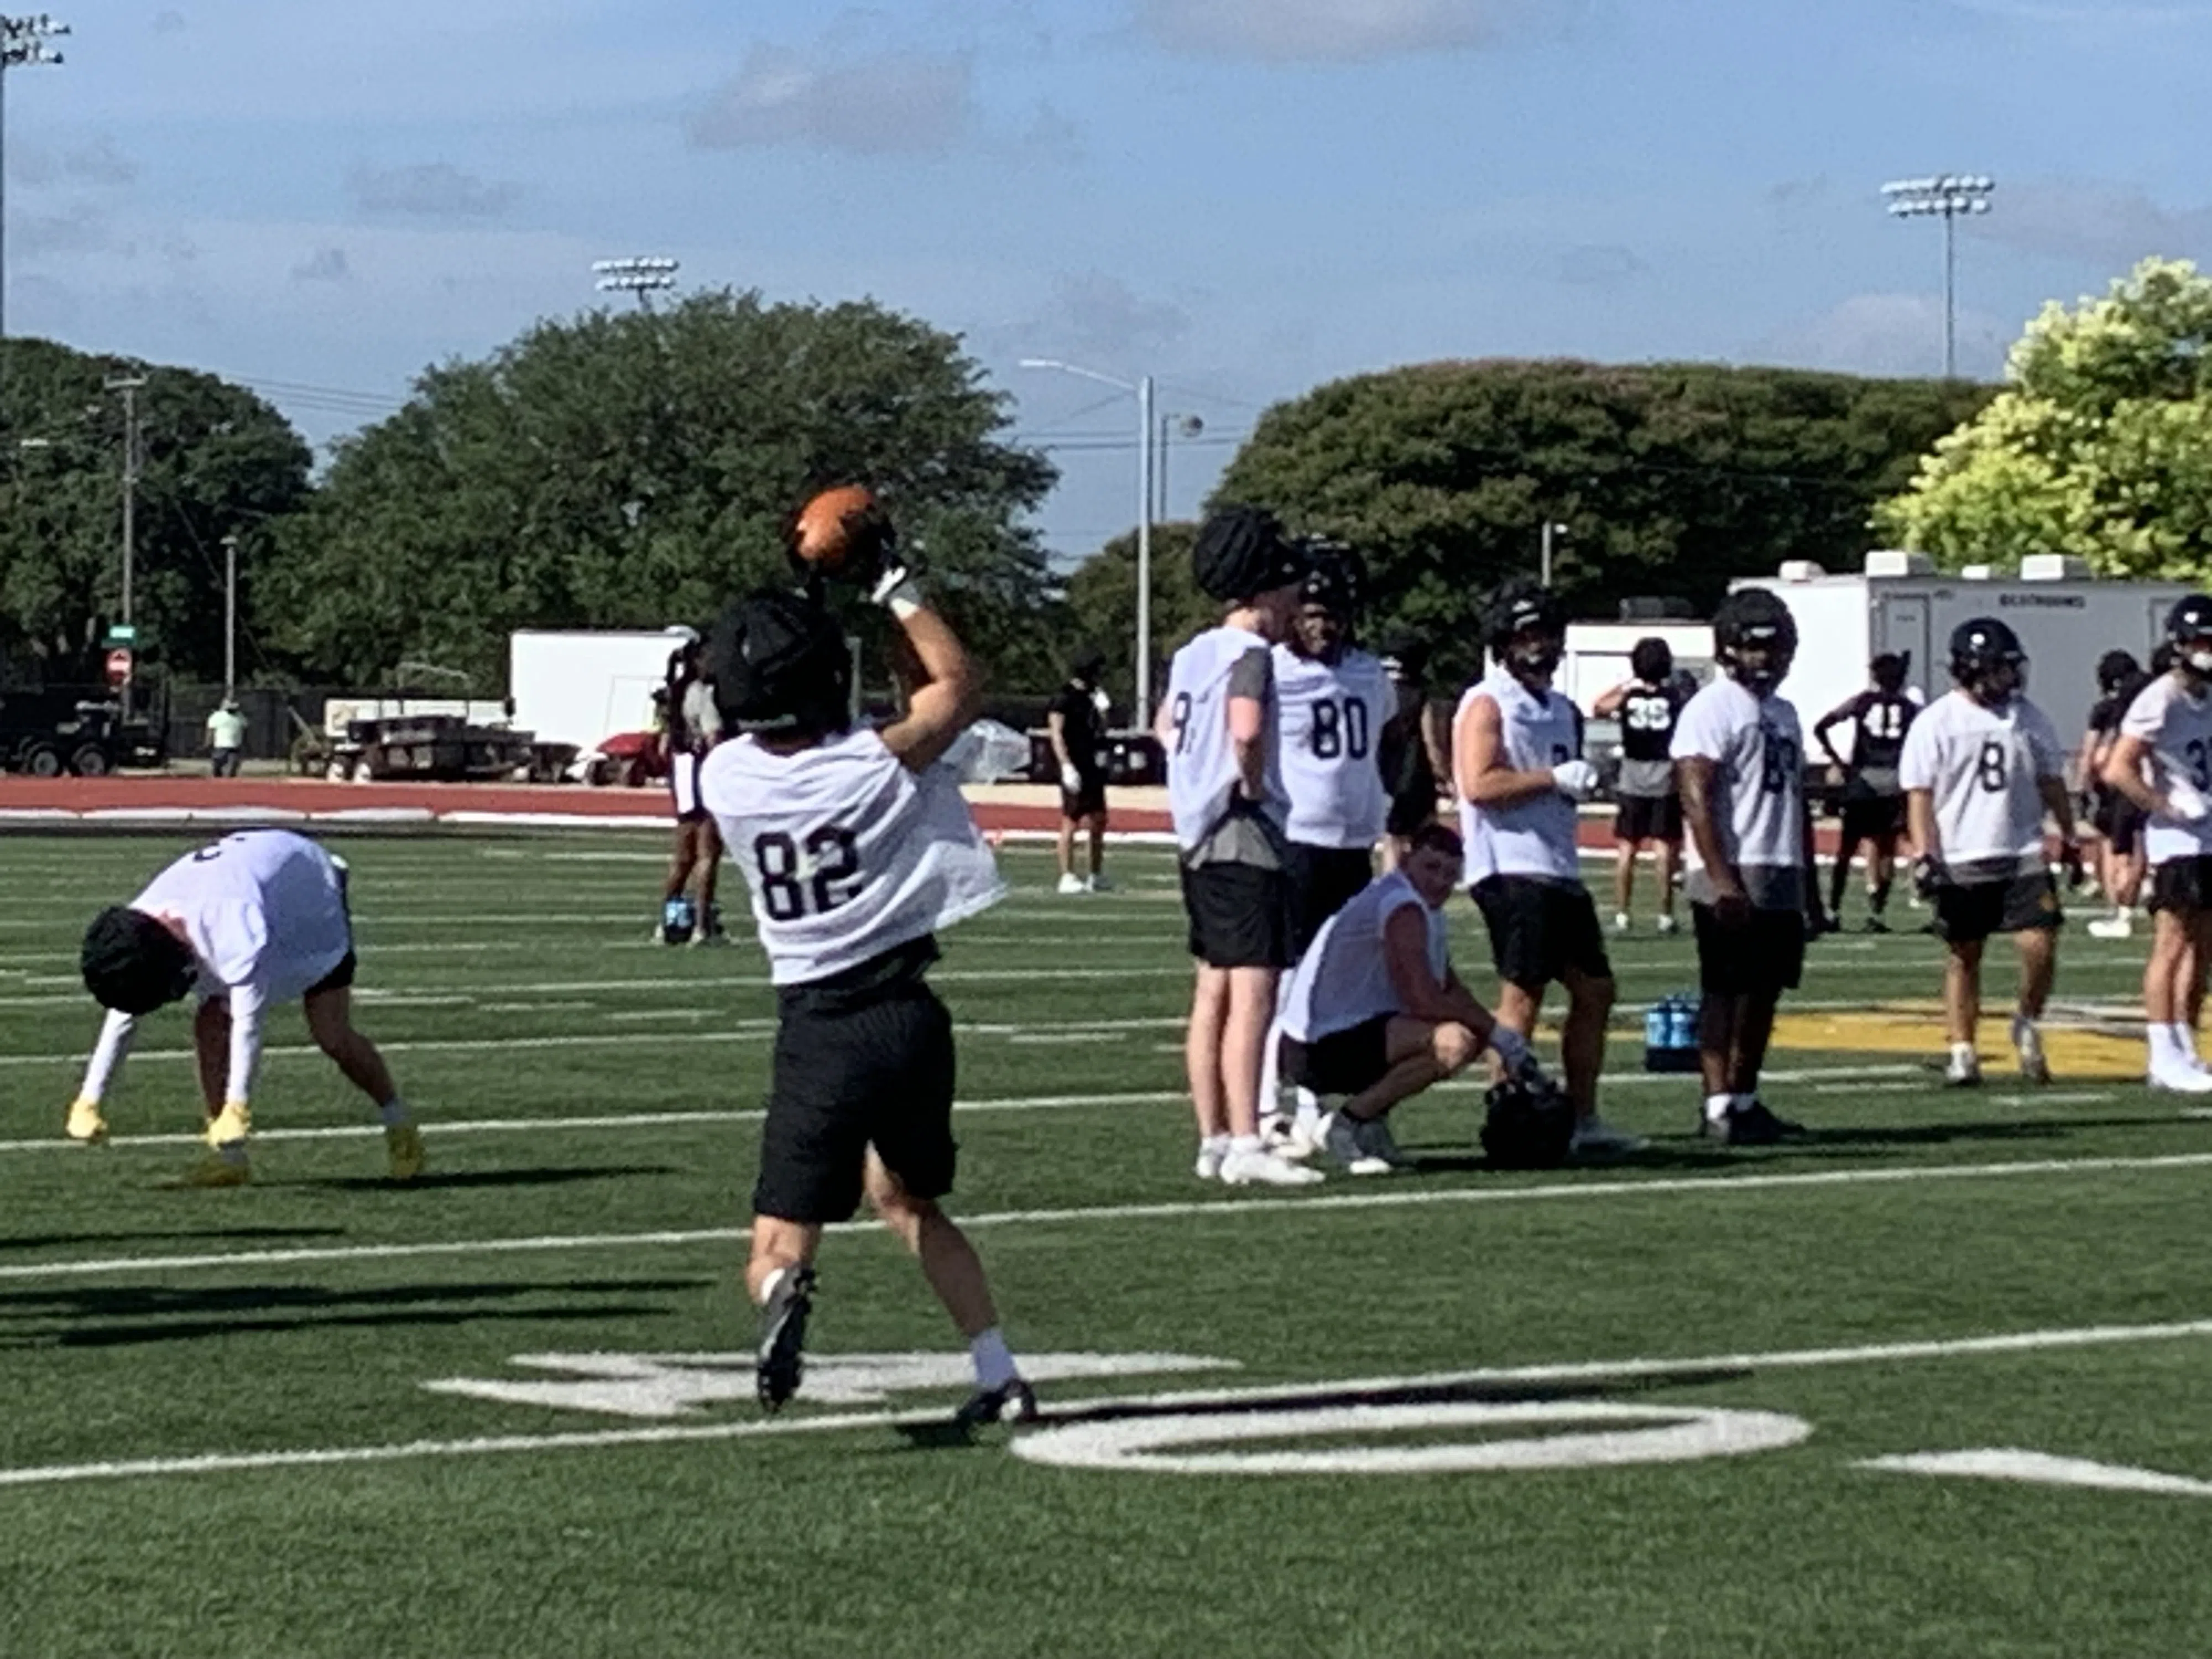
x,y
1375,1012
1980,768
2170,724
257,918
857,847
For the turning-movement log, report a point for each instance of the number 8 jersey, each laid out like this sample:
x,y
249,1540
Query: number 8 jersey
x,y
848,854
1332,713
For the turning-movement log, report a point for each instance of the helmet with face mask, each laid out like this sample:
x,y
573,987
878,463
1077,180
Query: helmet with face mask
x,y
1752,621
1523,608
1987,659
2188,631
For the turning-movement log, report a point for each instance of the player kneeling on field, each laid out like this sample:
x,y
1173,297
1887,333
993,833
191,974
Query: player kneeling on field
x,y
1375,1012
1979,770
857,847
257,918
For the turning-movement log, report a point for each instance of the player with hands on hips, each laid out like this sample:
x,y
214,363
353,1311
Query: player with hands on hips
x,y
1980,768
2162,761
1874,800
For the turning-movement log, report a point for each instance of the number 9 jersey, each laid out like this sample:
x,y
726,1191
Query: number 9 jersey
x,y
848,854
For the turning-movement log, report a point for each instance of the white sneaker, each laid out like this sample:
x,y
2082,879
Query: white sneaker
x,y
1593,1134
1964,1070
1071,883
2027,1043
1101,882
1208,1167
1281,1136
1667,925
1256,1166
2180,1080
1363,1148
2119,926
1621,921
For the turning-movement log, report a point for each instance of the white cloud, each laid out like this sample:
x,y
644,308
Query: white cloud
x,y
1330,30
435,189
1892,334
2114,224
1099,319
98,162
891,104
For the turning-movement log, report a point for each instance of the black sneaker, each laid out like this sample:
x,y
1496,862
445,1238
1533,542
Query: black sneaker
x,y
783,1335
1876,925
1755,1126
1012,1402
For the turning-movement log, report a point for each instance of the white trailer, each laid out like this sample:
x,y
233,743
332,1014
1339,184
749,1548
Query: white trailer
x,y
1597,653
585,687
2065,619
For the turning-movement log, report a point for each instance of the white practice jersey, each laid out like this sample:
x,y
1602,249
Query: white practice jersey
x,y
1758,750
1344,978
1980,766
847,852
1535,835
1332,716
2178,729
264,913
1202,770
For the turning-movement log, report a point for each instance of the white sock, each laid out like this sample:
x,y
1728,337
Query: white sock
x,y
1244,1143
1309,1106
994,1361
767,1285
1217,1145
2182,1036
394,1113
1964,1057
2165,1048
1717,1107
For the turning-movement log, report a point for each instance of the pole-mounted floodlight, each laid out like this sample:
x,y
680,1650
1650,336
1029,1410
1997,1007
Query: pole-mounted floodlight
x,y
643,276
22,45
1947,196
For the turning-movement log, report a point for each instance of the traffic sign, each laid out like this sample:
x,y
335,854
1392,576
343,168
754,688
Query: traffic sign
x,y
118,666
121,633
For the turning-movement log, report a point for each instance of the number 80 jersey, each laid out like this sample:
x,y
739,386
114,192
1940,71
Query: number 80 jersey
x,y
847,852
1332,713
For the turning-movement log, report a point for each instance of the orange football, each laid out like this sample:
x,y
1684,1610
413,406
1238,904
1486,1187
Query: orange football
x,y
829,528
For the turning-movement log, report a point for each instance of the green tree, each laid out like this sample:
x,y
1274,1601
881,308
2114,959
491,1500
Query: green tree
x,y
2100,446
216,461
1671,478
1102,605
634,470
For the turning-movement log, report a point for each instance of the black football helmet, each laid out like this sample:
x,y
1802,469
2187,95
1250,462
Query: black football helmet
x,y
1987,659
2188,631
779,665
2115,669
1755,637
1527,1123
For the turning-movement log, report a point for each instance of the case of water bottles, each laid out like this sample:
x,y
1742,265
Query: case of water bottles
x,y
1670,1034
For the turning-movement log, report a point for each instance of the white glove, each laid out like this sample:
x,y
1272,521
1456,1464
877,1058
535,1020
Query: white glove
x,y
897,591
1510,1047
1071,779
1574,779
2185,803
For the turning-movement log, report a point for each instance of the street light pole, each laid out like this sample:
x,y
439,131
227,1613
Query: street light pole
x,y
1552,531
229,617
1946,195
22,45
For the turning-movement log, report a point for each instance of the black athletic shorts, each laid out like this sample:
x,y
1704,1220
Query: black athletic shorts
x,y
2182,884
1318,882
1766,953
339,978
1540,930
1972,911
1342,1063
1649,817
1870,817
1086,802
1239,917
844,1080
2118,820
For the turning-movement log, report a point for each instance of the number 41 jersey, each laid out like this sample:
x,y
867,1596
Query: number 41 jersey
x,y
1331,714
847,852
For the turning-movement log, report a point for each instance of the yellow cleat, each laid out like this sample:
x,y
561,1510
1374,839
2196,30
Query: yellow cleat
x,y
233,1123
219,1169
86,1125
403,1141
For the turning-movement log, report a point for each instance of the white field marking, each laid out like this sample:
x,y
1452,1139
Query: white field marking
x,y
1866,1088
1219,1208
674,1434
2041,1470
1678,1434
2055,1097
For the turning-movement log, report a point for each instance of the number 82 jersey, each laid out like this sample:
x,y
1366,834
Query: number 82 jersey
x,y
847,852
1331,714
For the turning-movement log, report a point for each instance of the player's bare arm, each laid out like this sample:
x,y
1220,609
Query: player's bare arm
x,y
1920,821
1055,726
1834,717
1609,702
1694,776
1479,759
947,698
2123,772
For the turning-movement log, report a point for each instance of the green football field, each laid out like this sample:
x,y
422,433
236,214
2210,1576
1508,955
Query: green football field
x,y
1931,1382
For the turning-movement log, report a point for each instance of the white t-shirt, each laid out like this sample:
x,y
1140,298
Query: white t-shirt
x,y
2178,729
1332,716
1344,978
1980,766
1757,751
1534,835
1202,771
264,913
848,854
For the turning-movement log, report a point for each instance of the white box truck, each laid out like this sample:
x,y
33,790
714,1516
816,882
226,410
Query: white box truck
x,y
584,687
2065,618
1597,654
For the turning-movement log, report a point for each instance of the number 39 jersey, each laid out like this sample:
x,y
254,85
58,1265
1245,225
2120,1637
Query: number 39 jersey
x,y
1331,714
1757,751
2178,729
1980,766
847,852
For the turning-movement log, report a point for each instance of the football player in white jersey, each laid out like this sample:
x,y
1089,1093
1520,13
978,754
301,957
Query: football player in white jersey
x,y
1217,726
256,919
1374,1011
2162,761
1334,699
1517,754
1739,761
857,847
1980,766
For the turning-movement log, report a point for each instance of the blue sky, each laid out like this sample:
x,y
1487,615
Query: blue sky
x,y
1241,197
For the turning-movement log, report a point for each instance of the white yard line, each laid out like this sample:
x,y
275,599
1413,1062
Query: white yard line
x,y
1690,1366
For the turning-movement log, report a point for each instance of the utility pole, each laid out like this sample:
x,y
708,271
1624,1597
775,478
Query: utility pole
x,y
1946,195
1552,531
130,386
22,45
230,617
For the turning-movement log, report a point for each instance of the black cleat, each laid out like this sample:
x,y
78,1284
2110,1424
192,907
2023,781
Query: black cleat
x,y
1755,1126
1014,1402
1876,925
783,1335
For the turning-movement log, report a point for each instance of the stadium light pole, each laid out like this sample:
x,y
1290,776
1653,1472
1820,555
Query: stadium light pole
x,y
1171,426
22,45
1554,532
1141,705
230,617
1947,196
644,277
